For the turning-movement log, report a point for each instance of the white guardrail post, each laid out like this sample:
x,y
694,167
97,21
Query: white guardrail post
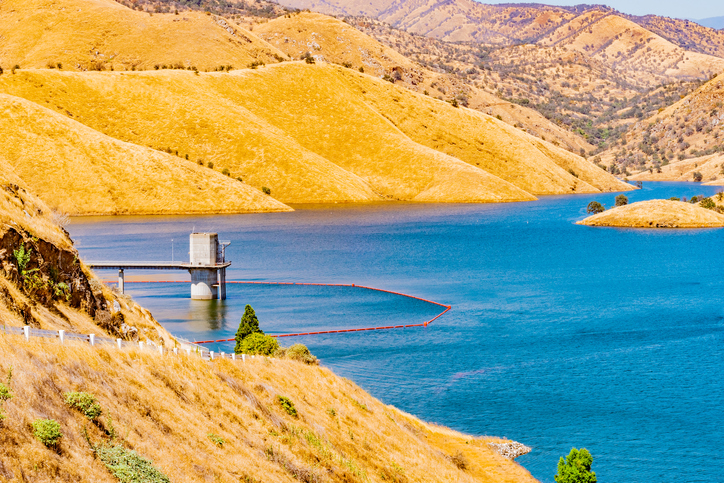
x,y
140,345
233,356
119,343
61,336
175,351
26,332
92,339
160,349
211,357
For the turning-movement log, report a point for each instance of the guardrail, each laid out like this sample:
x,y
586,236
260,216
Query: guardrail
x,y
95,341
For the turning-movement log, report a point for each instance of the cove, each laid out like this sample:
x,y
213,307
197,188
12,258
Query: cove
x,y
560,335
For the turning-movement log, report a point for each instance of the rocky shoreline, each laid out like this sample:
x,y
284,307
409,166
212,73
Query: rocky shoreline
x,y
510,450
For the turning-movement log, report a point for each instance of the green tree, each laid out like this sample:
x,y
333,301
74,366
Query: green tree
x,y
698,177
576,468
707,203
621,200
594,207
249,325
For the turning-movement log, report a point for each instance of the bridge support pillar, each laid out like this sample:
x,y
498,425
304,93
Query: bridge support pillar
x,y
204,285
121,281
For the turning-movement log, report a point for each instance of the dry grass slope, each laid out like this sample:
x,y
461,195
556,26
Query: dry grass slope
x,y
311,150
332,40
480,140
165,409
80,171
690,130
92,34
316,133
657,214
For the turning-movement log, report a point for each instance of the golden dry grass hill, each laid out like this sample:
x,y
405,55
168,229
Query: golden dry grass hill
x,y
511,23
193,420
332,40
589,69
80,171
310,133
198,421
679,141
103,34
657,214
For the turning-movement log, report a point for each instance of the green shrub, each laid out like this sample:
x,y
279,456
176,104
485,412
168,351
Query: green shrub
x,y
287,405
258,344
576,468
47,431
5,393
265,190
85,403
362,69
707,203
225,172
300,352
217,440
210,165
621,200
698,177
573,173
128,466
332,413
674,198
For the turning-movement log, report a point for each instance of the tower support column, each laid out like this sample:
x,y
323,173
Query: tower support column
x,y
222,284
203,284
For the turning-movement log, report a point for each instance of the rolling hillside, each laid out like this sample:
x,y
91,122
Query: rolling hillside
x,y
690,130
331,40
80,171
105,35
308,133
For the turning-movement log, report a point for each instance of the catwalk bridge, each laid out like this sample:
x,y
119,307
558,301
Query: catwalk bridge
x,y
207,267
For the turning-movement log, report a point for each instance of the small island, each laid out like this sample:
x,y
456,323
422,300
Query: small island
x,y
657,214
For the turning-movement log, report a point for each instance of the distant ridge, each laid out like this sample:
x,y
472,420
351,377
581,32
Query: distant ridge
x,y
711,22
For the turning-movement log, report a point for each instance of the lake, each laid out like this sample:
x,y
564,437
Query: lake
x,y
559,335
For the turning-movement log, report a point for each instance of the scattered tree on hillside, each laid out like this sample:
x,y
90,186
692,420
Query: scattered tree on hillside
x,y
249,325
621,200
698,177
708,203
576,468
594,207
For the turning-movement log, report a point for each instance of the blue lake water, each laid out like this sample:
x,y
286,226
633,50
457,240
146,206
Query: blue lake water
x,y
560,335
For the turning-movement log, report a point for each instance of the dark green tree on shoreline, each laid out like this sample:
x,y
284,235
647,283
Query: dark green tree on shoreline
x,y
595,207
249,325
576,468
